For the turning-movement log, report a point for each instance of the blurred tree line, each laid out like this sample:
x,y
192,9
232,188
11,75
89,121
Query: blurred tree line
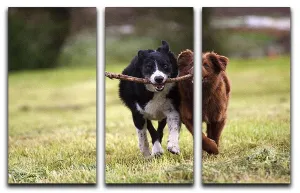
x,y
129,29
227,31
210,36
37,35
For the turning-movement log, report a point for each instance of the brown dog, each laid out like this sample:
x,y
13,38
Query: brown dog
x,y
215,93
186,90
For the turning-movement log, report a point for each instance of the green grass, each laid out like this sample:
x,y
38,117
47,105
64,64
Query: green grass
x,y
124,162
255,144
52,126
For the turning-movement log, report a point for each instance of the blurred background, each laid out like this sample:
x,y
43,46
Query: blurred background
x,y
128,30
52,95
246,32
51,37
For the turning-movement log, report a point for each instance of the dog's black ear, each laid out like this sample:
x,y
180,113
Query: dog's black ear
x,y
173,61
142,54
164,47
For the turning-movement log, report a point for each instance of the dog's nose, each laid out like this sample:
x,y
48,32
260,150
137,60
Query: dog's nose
x,y
158,79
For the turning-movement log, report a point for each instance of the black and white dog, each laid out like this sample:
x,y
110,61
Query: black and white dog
x,y
157,101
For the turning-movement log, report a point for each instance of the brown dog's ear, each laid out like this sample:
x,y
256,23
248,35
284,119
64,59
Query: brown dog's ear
x,y
219,62
224,61
185,58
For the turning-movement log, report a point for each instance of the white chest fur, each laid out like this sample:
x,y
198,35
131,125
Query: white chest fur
x,y
157,107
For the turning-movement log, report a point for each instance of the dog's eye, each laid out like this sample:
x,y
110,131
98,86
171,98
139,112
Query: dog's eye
x,y
206,65
165,66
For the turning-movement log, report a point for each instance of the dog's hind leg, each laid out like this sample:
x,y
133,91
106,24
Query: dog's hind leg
x,y
209,145
141,127
160,129
174,124
209,130
152,131
157,149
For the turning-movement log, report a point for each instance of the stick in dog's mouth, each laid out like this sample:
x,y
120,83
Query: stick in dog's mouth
x,y
145,81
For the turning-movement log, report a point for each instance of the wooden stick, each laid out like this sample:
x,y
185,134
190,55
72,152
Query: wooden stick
x,y
143,80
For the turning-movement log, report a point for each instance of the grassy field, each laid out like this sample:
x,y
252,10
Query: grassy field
x,y
255,144
124,162
52,126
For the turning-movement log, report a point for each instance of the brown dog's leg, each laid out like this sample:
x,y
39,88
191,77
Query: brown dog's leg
x,y
209,145
209,130
187,117
215,130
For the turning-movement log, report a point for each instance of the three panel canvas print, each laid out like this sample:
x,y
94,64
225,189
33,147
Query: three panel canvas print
x,y
149,95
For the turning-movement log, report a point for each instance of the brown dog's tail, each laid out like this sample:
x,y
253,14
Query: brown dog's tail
x,y
185,58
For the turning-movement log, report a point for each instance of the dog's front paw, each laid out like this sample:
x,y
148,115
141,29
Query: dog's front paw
x,y
173,147
157,149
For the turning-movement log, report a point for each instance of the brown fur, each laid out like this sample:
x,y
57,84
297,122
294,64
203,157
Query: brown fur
x,y
186,90
215,94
